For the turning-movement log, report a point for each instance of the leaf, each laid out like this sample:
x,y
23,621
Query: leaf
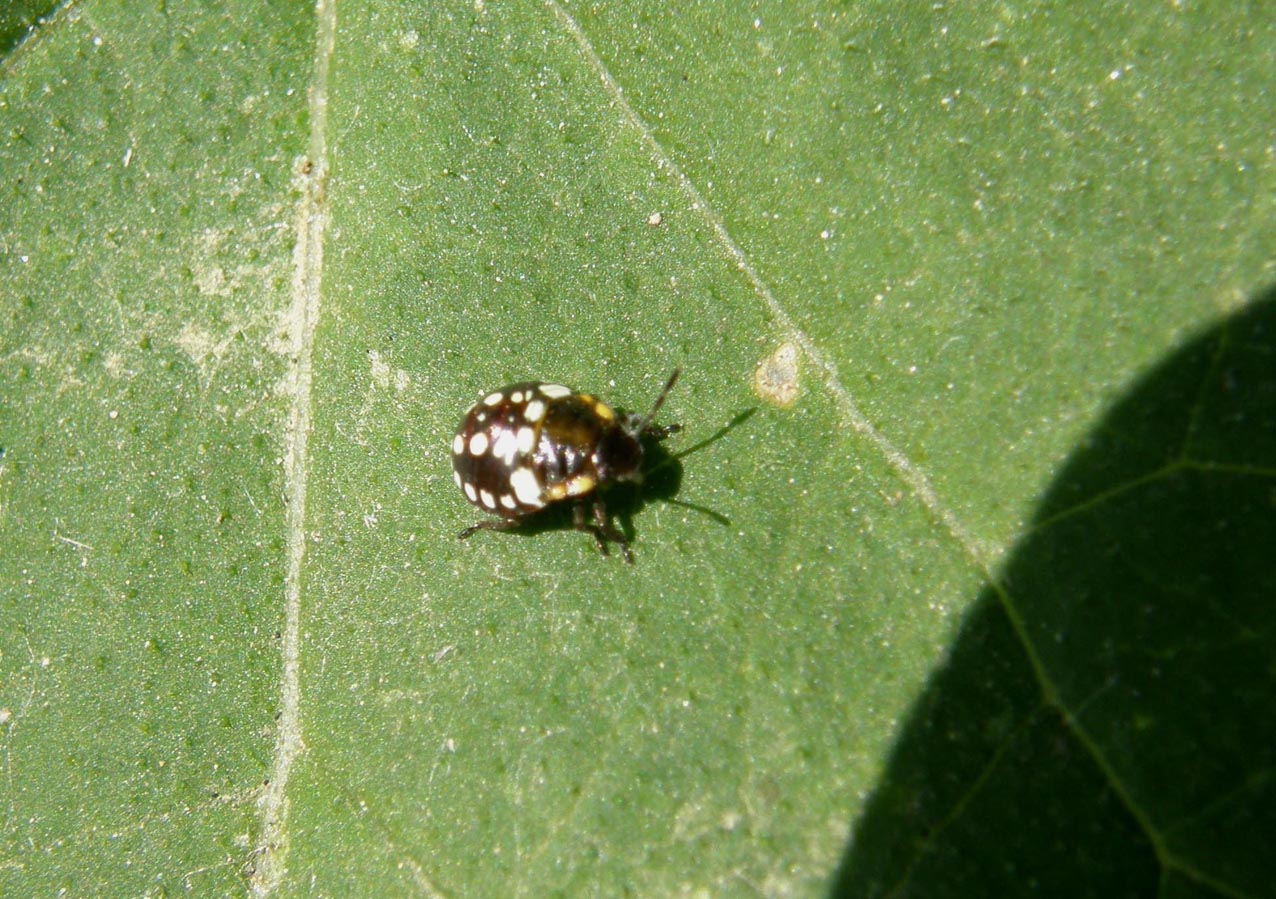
x,y
912,264
1111,694
147,232
19,18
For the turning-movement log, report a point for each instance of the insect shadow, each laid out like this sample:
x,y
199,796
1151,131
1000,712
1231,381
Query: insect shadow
x,y
662,479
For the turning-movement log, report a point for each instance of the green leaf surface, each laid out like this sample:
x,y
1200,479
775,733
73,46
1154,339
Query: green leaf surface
x,y
18,19
954,583
146,231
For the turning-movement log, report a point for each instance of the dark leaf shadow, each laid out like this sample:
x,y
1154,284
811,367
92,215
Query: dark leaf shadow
x,y
19,20
1104,723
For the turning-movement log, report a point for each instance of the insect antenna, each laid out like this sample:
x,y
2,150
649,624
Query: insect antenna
x,y
645,424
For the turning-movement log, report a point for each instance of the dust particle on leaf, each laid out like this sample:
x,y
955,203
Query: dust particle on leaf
x,y
776,378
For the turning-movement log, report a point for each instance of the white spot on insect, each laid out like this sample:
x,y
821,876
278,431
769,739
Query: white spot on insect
x,y
478,443
555,391
508,501
526,439
456,476
471,493
517,397
493,398
487,499
505,446
458,444
535,411
526,488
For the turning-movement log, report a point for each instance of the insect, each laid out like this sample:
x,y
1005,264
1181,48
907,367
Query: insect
x,y
533,444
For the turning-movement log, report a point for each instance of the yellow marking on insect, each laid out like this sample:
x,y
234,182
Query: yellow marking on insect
x,y
555,492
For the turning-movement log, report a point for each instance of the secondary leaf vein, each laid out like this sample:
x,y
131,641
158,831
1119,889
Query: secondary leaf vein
x,y
916,480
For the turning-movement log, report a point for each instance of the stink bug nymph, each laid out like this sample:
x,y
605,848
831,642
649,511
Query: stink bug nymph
x,y
533,444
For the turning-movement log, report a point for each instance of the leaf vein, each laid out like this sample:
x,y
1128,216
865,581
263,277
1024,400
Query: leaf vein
x,y
913,477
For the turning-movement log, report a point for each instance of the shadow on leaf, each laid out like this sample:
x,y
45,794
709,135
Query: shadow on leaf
x,y
1103,725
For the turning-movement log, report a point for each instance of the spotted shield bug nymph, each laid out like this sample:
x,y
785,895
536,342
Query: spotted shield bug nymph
x,y
532,444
